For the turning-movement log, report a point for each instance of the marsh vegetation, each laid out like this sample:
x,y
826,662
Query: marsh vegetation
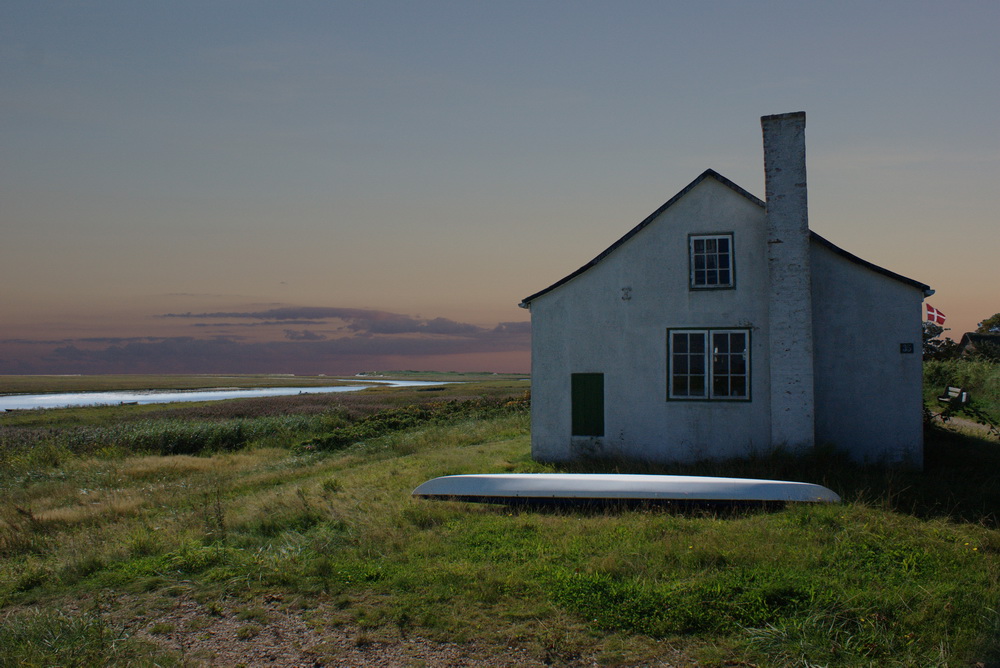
x,y
128,533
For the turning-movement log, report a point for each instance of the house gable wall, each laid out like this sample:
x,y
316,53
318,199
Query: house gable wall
x,y
868,398
613,319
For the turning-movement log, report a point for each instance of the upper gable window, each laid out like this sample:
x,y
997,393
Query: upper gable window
x,y
711,260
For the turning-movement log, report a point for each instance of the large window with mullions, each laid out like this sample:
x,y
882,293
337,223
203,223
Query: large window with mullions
x,y
711,259
709,364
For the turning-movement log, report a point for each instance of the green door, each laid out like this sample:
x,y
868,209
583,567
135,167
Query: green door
x,y
588,404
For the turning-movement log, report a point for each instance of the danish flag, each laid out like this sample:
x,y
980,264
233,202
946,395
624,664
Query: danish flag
x,y
934,315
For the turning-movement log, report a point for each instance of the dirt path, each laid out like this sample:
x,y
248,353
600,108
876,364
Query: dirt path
x,y
962,424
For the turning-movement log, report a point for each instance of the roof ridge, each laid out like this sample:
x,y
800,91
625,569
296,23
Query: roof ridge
x,y
712,174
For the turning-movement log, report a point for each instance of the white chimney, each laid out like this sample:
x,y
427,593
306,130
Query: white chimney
x,y
790,303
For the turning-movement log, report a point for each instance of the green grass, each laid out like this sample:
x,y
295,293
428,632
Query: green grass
x,y
905,572
42,636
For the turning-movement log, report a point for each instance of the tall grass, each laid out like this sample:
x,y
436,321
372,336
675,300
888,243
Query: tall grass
x,y
24,449
408,417
27,448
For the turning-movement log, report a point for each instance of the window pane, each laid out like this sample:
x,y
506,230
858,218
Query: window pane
x,y
680,343
723,244
699,245
710,245
697,343
720,365
697,364
720,343
720,386
697,386
739,364
680,364
738,386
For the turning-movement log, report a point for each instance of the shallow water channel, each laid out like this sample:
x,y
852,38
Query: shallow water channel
x,y
62,400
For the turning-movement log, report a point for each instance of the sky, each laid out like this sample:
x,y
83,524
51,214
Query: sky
x,y
225,186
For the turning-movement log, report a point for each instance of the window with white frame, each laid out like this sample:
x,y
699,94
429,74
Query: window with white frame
x,y
709,364
711,259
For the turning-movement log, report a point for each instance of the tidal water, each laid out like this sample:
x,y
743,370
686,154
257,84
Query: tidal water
x,y
29,401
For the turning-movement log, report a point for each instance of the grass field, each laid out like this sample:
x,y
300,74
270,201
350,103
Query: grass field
x,y
72,383
171,535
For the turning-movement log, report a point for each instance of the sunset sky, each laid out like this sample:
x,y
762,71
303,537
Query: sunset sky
x,y
333,187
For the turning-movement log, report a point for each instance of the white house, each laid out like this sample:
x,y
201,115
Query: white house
x,y
721,326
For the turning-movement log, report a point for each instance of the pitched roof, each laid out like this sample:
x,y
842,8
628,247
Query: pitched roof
x,y
977,339
926,289
712,174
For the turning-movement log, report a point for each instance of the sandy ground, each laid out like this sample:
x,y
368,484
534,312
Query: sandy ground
x,y
274,636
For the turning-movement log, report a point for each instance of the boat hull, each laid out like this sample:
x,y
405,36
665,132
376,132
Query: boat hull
x,y
510,487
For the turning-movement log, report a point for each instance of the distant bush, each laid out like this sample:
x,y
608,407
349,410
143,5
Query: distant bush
x,y
969,373
981,378
987,352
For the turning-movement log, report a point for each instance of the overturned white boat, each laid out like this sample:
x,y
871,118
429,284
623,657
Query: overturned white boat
x,y
605,487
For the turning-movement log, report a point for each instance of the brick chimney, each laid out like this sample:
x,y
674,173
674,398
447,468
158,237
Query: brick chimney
x,y
790,296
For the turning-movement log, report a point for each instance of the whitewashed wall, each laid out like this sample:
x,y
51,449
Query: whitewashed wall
x,y
584,326
868,394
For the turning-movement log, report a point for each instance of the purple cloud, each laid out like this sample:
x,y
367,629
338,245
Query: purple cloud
x,y
376,339
303,335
